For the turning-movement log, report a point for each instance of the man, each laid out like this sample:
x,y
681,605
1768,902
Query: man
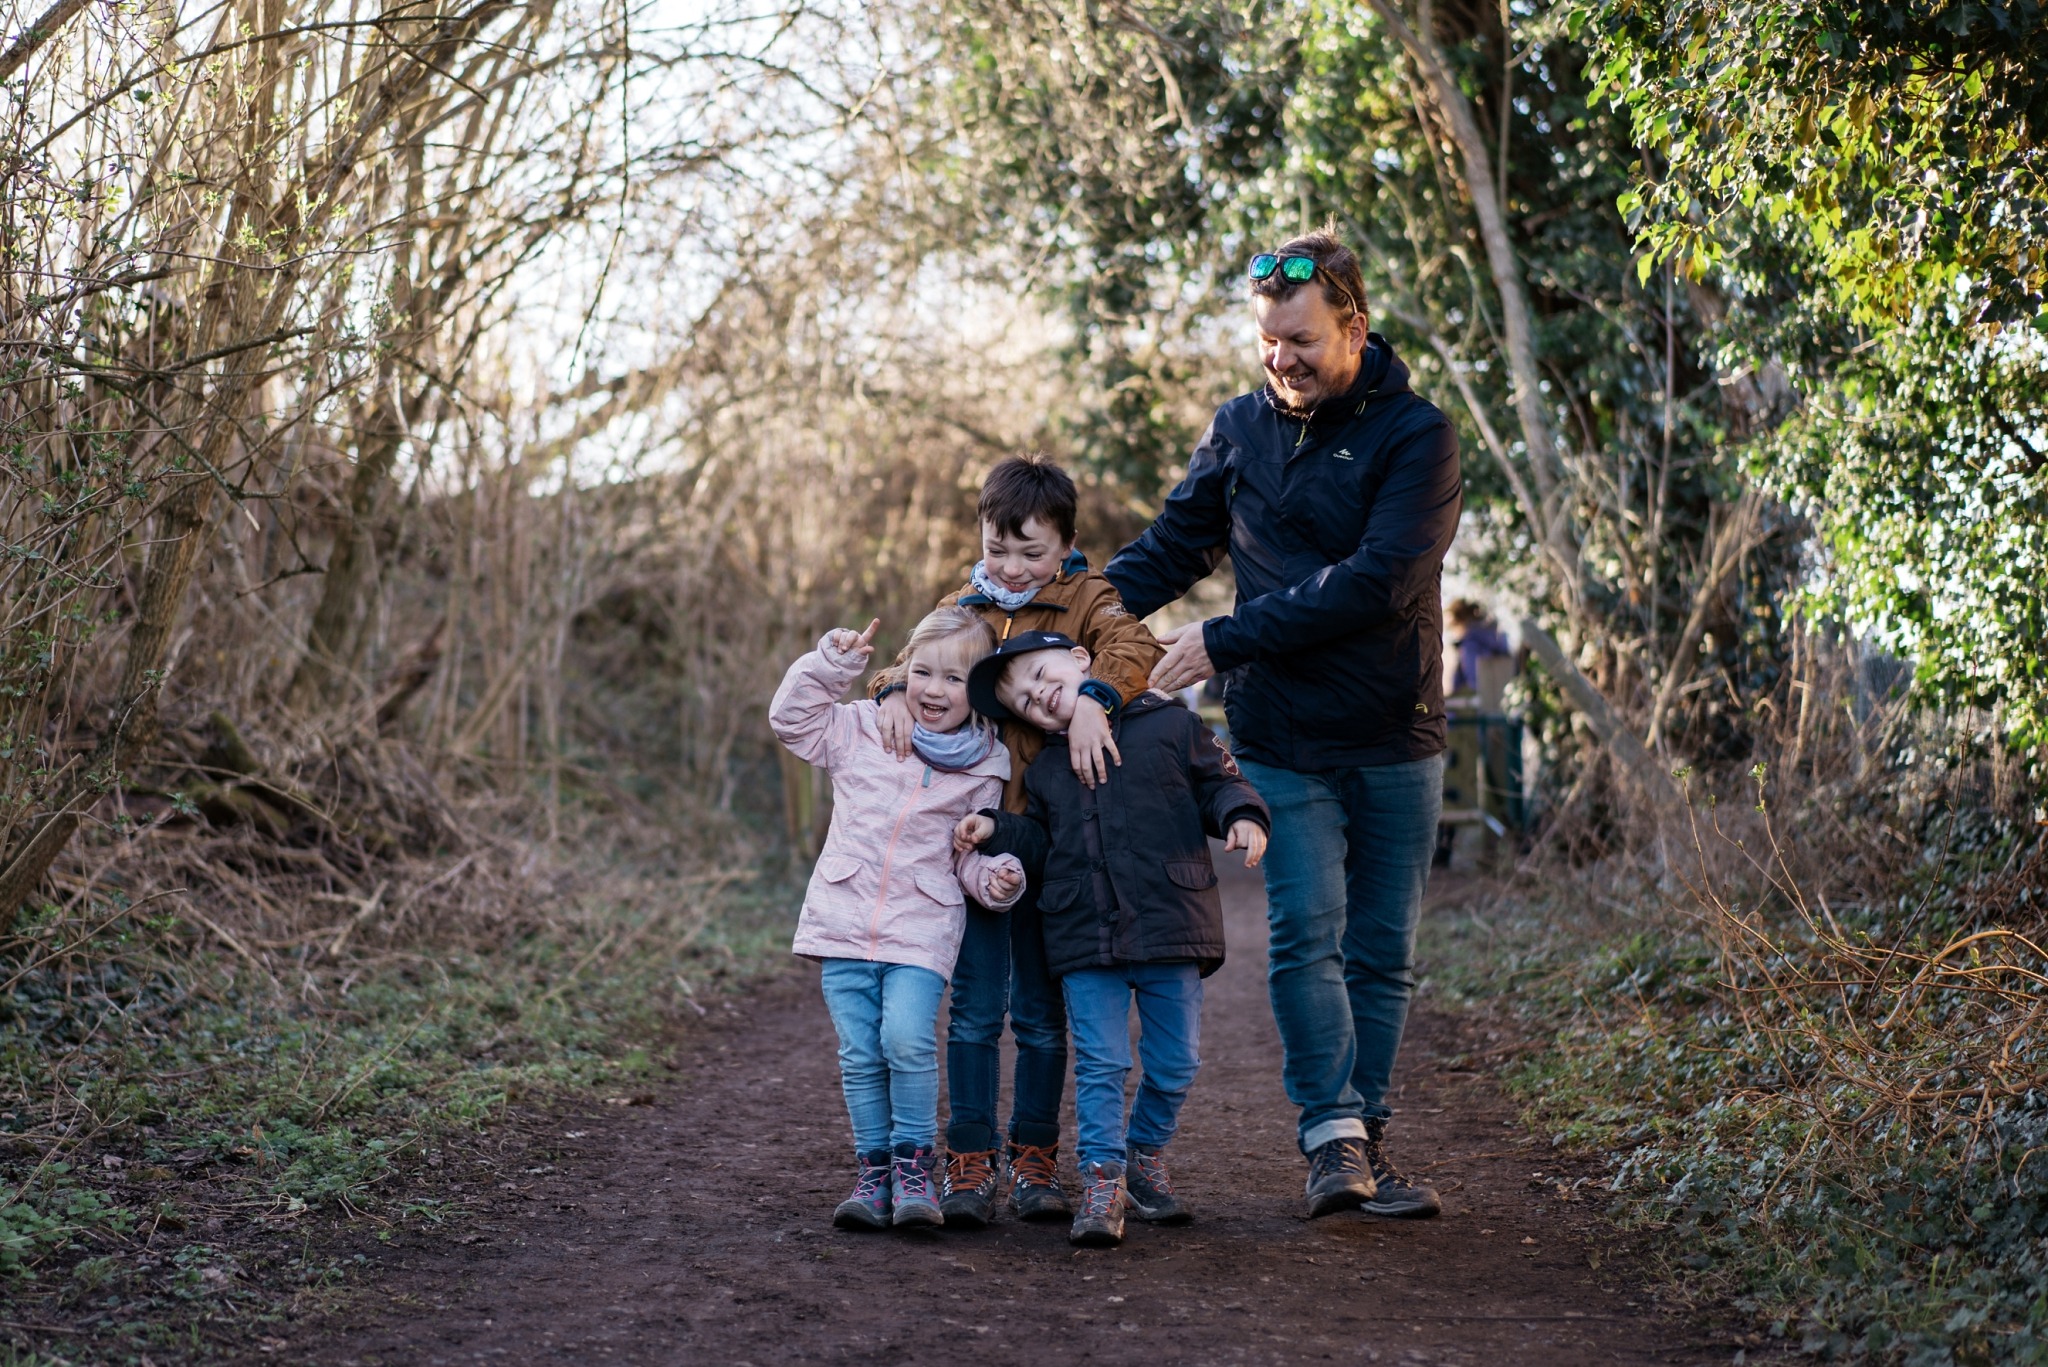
x,y
1336,491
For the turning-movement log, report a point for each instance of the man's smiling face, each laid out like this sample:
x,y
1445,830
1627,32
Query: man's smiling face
x,y
1309,355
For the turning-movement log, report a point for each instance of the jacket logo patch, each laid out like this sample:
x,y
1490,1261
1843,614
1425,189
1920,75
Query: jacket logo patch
x,y
1344,454
1229,760
1113,610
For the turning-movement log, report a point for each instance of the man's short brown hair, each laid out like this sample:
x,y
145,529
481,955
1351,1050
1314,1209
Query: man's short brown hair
x,y
1337,273
1021,488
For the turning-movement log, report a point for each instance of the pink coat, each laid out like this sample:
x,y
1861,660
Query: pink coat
x,y
888,886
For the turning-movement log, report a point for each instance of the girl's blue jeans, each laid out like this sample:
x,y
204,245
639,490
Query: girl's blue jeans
x,y
887,1016
1001,972
1169,999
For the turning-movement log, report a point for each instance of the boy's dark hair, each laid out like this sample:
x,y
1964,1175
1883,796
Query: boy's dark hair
x,y
1337,273
1024,487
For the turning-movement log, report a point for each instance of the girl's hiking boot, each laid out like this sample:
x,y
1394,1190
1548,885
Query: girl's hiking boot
x,y
1035,1192
1338,1177
970,1199
868,1207
1100,1222
1148,1190
911,1190
1397,1196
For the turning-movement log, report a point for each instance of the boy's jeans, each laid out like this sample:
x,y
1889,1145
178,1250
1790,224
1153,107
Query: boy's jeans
x,y
887,1016
1169,1045
1345,869
1001,972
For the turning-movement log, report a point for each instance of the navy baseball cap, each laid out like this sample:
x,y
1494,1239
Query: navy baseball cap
x,y
981,680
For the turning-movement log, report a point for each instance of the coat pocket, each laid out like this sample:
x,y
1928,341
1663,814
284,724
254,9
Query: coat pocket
x,y
945,891
838,868
1196,875
1059,894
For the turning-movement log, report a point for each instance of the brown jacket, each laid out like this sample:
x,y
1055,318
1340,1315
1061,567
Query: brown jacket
x,y
1079,603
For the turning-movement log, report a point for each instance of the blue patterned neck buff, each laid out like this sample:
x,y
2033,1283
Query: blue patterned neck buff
x,y
953,750
1003,598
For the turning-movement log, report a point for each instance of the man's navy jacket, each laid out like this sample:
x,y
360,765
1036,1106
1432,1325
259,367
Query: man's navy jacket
x,y
1337,525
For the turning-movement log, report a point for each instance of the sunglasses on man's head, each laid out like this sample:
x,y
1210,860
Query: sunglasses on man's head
x,y
1299,269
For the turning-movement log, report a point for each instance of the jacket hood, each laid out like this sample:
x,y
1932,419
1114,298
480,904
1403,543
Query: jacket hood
x,y
1381,374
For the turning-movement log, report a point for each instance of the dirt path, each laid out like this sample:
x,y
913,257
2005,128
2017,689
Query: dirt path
x,y
696,1230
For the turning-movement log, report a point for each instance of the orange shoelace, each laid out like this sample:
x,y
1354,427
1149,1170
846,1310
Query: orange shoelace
x,y
969,1171
1035,1166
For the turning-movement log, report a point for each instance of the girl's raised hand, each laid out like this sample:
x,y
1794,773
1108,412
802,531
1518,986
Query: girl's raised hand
x,y
857,645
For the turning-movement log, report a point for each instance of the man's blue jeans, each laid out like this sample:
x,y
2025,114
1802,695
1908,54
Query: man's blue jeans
x,y
1001,973
1345,869
1169,998
887,1016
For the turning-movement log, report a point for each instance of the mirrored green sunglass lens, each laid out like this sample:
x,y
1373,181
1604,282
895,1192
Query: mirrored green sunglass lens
x,y
1263,265
1297,268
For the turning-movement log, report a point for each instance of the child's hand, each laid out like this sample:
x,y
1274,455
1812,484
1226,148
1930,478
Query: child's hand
x,y
1088,740
1003,883
894,720
1249,836
971,831
855,645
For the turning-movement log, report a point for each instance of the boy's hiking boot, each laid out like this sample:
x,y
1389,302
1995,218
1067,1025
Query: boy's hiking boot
x,y
1397,1196
911,1189
1338,1177
1148,1190
868,1207
970,1199
1035,1192
1100,1223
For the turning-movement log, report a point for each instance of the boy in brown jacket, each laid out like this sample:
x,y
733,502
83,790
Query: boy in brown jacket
x,y
1030,578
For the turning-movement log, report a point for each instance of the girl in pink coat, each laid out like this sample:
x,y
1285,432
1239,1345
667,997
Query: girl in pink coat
x,y
886,903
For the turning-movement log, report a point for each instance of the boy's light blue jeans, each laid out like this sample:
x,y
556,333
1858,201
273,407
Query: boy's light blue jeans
x,y
1169,998
887,1016
1345,870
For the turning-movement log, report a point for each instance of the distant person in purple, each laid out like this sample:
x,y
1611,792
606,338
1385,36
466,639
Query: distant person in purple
x,y
1477,637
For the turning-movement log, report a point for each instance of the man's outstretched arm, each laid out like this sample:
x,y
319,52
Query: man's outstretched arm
x,y
1181,546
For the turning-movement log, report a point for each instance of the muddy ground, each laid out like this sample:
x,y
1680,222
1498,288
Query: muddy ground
x,y
694,1228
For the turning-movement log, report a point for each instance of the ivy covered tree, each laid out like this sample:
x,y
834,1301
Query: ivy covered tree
x,y
1868,184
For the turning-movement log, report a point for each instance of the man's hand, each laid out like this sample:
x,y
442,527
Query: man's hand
x,y
1186,662
1088,740
971,831
1003,883
858,645
1249,836
894,720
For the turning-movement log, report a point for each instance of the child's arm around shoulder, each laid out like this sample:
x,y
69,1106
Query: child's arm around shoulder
x,y
1123,649
806,714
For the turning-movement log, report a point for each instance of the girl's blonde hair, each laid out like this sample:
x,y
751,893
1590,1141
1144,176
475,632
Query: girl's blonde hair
x,y
959,634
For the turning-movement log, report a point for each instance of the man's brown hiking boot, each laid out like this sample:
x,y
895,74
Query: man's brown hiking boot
x,y
970,1192
1035,1192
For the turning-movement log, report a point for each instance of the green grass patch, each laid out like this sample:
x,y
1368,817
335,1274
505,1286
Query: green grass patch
x,y
181,1136
1728,1121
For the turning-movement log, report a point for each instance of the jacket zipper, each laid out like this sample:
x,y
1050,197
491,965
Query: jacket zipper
x,y
888,857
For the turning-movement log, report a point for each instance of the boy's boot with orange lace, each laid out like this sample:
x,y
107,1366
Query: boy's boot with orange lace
x,y
971,1189
1035,1191
868,1207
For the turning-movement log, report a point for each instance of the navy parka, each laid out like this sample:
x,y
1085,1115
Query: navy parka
x,y
1337,524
